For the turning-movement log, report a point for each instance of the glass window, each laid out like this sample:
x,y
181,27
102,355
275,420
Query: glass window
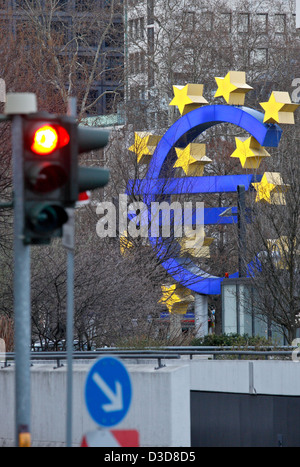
x,y
82,5
150,11
259,57
141,28
243,22
280,23
226,21
151,40
261,21
207,19
190,20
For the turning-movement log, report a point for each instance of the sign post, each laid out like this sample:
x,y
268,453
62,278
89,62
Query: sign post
x,y
16,106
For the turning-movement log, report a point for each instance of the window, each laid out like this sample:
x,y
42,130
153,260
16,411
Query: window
x,y
259,57
110,102
226,22
130,27
224,56
82,5
243,56
142,91
136,28
59,31
243,22
150,11
179,78
62,4
188,56
136,63
280,24
162,119
134,92
261,21
130,64
113,68
190,21
207,19
141,32
5,26
142,62
150,40
107,3
152,120
22,3
93,94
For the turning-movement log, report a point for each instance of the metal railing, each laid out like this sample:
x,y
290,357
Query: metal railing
x,y
60,356
160,354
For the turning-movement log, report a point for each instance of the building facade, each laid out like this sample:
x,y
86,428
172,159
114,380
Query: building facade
x,y
89,39
175,43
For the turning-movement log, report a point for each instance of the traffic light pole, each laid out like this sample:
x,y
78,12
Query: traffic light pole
x,y
70,306
21,294
70,338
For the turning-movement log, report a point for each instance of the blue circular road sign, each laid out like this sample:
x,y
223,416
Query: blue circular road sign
x,y
108,391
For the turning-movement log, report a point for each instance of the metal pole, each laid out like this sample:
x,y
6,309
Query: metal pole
x,y
201,315
241,229
69,228
21,294
70,315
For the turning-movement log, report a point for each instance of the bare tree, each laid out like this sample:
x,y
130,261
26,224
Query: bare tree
x,y
75,50
184,43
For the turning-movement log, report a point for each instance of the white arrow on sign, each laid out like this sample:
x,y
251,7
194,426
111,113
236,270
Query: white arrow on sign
x,y
116,398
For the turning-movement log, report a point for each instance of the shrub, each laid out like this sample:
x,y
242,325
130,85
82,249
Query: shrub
x,y
231,340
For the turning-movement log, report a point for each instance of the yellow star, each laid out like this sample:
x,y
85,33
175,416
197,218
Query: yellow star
x,y
271,189
250,152
192,159
233,87
188,97
196,247
125,244
279,108
176,298
144,146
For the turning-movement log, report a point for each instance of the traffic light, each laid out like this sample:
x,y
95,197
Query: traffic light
x,y
52,177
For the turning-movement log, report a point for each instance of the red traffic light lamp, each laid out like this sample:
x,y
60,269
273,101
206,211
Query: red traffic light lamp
x,y
48,138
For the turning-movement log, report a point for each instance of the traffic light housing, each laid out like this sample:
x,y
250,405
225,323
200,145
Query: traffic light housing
x,y
91,178
52,177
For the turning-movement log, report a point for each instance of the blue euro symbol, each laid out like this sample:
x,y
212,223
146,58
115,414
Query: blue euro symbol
x,y
155,184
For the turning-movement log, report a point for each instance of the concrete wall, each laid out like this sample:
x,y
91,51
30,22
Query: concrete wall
x,y
241,376
160,408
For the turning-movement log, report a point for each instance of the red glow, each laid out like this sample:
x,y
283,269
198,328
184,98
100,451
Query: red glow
x,y
49,138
